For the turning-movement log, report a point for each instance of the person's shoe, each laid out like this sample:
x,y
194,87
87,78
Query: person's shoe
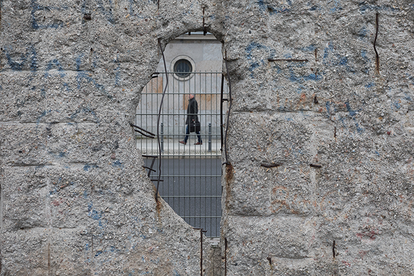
x,y
182,142
198,143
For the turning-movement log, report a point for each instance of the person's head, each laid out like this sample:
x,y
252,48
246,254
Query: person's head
x,y
190,96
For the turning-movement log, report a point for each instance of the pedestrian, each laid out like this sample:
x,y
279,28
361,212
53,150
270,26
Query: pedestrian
x,y
193,125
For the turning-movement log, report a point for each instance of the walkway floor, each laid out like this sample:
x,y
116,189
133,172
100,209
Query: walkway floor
x,y
172,147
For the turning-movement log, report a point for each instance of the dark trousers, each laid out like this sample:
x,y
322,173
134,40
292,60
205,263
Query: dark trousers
x,y
187,132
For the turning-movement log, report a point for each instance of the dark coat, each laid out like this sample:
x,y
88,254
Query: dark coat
x,y
192,111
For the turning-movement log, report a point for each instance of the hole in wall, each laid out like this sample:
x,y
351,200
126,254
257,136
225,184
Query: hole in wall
x,y
191,170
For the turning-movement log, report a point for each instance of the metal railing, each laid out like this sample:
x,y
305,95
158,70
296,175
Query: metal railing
x,y
191,173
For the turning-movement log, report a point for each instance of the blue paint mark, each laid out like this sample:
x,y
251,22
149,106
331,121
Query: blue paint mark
x,y
53,63
364,55
44,113
328,49
66,86
20,103
107,13
362,33
411,78
279,70
62,154
336,7
363,7
87,247
1,87
249,50
84,110
43,92
95,215
353,113
397,105
18,66
343,61
253,66
377,153
78,61
314,8
338,59
86,167
82,75
36,7
366,60
98,253
261,5
176,273
328,108
252,46
131,7
313,77
309,48
155,261
53,192
369,85
118,163
301,79
85,195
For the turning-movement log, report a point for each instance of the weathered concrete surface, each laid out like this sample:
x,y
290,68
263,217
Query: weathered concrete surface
x,y
75,201
352,213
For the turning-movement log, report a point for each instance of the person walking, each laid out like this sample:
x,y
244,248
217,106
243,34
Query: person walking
x,y
192,119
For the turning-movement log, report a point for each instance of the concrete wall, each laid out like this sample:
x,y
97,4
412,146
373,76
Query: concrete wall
x,y
75,201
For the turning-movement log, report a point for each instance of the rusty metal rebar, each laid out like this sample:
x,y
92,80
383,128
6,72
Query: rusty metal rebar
x,y
225,256
204,23
270,165
221,111
142,131
230,99
201,248
375,43
158,122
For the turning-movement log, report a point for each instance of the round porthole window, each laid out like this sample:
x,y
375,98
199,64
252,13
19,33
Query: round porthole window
x,y
183,68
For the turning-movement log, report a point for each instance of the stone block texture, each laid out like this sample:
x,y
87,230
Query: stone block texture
x,y
321,90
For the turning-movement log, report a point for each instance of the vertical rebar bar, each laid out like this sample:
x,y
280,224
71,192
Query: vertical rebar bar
x,y
201,249
162,136
221,111
209,137
158,122
230,100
